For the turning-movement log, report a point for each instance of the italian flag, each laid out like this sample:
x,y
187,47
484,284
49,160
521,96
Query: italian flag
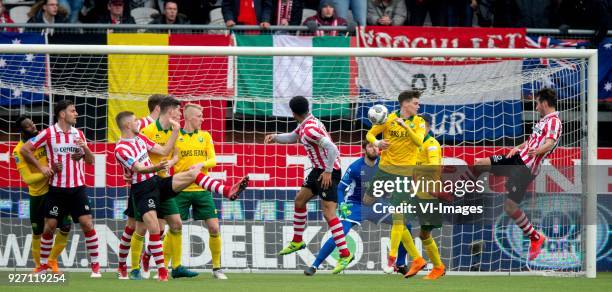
x,y
264,85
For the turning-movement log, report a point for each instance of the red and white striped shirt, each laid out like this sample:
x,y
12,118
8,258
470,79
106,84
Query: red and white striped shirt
x,y
310,133
134,150
549,127
143,122
60,145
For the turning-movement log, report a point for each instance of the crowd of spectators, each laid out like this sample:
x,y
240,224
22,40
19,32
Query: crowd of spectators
x,y
563,14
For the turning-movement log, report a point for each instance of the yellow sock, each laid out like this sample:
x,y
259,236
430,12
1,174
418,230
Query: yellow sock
x,y
136,245
36,249
409,244
61,240
167,248
176,239
214,243
432,251
396,236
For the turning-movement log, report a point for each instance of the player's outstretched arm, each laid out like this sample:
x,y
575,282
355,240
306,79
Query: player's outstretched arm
x,y
169,147
375,131
286,138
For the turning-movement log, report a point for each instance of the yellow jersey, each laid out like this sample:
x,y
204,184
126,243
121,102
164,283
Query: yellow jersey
x,y
192,148
430,162
37,183
403,143
159,135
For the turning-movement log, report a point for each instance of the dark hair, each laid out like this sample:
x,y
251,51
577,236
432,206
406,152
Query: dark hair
x,y
548,95
167,103
60,106
155,100
122,115
170,1
408,95
426,118
299,105
364,144
20,120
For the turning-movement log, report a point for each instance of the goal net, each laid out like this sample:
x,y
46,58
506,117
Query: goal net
x,y
480,106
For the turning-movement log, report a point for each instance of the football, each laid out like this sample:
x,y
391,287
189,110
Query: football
x,y
377,114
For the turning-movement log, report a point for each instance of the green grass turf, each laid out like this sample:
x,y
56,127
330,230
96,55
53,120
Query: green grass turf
x,y
325,282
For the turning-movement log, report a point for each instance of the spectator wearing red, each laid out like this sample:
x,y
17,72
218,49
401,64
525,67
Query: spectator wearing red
x,y
6,18
171,15
289,12
247,12
387,12
326,16
115,14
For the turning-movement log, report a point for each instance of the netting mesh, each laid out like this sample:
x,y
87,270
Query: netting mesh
x,y
480,107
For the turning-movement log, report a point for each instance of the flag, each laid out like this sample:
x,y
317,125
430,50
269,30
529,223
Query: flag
x,y
270,82
133,78
23,77
560,74
202,80
605,70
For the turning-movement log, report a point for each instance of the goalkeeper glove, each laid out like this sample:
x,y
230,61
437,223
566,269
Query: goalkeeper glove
x,y
345,209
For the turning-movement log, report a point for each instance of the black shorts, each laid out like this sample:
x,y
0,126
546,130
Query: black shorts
x,y
129,211
148,195
144,197
60,202
312,182
518,174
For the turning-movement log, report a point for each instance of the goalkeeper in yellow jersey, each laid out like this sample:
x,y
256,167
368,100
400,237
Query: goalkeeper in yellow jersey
x,y
429,163
403,134
192,147
38,186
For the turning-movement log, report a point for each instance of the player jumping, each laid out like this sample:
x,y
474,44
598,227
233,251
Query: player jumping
x,y
322,181
65,146
148,190
38,187
522,163
403,134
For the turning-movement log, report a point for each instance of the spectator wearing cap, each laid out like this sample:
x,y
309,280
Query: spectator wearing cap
x,y
115,14
326,16
437,10
386,12
47,11
359,9
247,12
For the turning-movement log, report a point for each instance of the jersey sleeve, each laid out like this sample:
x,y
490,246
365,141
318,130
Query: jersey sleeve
x,y
19,162
375,131
553,129
41,139
150,144
433,153
211,159
313,134
125,158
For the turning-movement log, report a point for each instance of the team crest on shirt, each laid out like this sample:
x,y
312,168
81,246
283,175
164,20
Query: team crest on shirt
x,y
181,139
411,125
157,136
200,139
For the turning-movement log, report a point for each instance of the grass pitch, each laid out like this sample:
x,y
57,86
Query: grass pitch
x,y
80,282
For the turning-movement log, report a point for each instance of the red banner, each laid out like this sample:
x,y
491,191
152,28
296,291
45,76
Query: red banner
x,y
441,37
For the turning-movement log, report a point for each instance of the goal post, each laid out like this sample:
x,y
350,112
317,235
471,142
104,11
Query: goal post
x,y
244,128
